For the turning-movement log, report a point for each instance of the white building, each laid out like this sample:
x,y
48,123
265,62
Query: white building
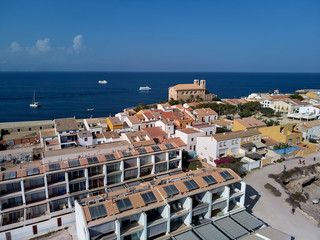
x,y
133,122
212,147
206,128
93,125
189,136
85,138
310,130
166,125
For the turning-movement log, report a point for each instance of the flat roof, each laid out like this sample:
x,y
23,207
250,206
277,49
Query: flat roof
x,y
209,231
25,124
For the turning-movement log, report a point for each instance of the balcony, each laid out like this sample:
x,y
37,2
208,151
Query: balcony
x,y
36,211
35,197
55,178
12,217
33,183
128,229
198,206
177,209
57,191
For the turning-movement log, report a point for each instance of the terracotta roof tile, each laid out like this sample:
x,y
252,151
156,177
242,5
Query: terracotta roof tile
x,y
137,200
87,213
101,158
64,164
83,161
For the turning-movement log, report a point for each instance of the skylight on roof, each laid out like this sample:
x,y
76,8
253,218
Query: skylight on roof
x,y
74,163
171,190
110,157
156,148
148,197
54,166
226,175
142,150
93,160
124,204
191,185
209,180
98,211
126,154
169,146
9,175
32,171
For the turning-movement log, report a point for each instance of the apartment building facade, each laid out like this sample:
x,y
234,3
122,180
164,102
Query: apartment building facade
x,y
161,208
41,198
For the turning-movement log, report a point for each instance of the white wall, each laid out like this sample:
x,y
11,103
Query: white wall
x,y
309,110
42,227
82,141
81,224
189,139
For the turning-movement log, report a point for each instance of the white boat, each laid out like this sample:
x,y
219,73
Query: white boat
x,y
90,109
34,103
146,88
103,82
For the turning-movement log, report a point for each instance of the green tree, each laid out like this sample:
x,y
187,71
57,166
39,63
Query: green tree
x,y
267,111
296,96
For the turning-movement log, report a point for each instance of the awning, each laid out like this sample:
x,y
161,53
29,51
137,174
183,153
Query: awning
x,y
247,220
209,232
247,145
260,145
186,236
231,228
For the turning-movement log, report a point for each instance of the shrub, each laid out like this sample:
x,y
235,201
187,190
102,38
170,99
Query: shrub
x,y
275,191
312,140
279,160
298,197
194,166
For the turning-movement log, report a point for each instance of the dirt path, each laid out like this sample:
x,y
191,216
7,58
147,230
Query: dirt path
x,y
275,210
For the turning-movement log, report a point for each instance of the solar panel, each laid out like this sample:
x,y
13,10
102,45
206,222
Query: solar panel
x,y
9,175
142,150
110,157
98,211
54,166
93,160
209,180
156,148
74,163
32,171
191,185
124,204
126,154
171,190
226,175
148,197
169,146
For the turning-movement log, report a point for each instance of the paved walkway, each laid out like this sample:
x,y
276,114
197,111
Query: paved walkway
x,y
275,210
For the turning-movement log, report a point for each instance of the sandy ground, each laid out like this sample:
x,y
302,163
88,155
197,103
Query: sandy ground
x,y
275,210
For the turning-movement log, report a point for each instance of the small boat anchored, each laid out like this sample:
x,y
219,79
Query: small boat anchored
x,y
103,82
34,104
146,88
90,109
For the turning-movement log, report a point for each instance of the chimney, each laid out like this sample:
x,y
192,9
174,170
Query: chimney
x,y
196,81
203,84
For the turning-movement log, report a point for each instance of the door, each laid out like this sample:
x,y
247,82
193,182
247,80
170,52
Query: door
x,y
59,222
35,229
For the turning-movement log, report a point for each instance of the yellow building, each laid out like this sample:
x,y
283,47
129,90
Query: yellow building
x,y
286,133
114,123
247,123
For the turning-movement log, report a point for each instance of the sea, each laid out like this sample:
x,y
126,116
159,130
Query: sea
x,y
69,94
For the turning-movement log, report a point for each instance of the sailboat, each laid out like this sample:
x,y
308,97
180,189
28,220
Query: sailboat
x,y
34,103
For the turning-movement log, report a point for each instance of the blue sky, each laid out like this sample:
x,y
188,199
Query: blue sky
x,y
211,36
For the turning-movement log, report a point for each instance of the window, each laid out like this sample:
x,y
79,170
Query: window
x,y
86,139
113,167
192,139
114,179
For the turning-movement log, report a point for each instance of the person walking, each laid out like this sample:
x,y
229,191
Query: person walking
x,y
284,167
293,210
299,161
304,162
314,158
